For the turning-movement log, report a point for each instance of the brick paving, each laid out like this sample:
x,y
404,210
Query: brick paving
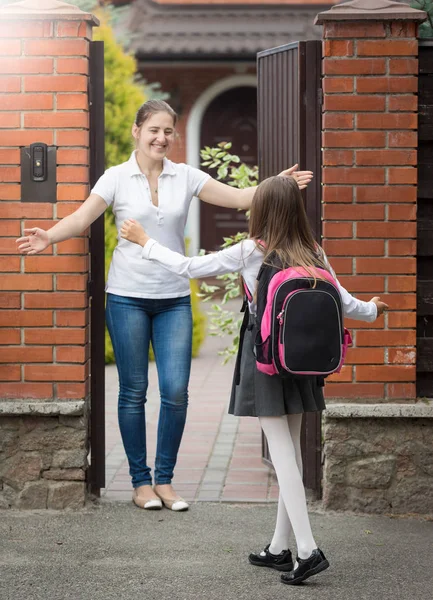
x,y
220,455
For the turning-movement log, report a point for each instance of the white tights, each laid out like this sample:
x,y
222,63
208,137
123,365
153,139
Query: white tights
x,y
283,435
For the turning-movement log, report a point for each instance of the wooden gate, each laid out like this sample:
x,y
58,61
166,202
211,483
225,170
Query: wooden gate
x,y
424,365
289,129
96,476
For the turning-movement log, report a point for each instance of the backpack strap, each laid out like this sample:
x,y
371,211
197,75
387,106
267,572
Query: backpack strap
x,y
244,327
264,276
245,309
248,294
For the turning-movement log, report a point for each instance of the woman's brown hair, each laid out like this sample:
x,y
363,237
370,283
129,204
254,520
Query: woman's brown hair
x,y
278,219
151,107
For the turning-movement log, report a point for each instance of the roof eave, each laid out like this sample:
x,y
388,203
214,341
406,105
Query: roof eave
x,y
198,57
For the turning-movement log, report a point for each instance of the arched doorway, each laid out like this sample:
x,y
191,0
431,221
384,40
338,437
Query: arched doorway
x,y
230,117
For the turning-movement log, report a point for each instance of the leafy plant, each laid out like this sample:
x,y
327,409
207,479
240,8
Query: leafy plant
x,y
224,322
241,176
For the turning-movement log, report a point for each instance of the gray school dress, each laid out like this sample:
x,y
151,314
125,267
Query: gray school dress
x,y
255,394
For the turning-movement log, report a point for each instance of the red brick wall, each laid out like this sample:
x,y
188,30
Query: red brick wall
x,y
43,300
369,196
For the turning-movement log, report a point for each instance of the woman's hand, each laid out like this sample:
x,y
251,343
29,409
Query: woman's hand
x,y
132,231
302,178
381,306
34,241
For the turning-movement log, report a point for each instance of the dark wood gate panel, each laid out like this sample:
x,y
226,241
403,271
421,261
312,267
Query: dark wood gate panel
x,y
424,364
289,128
96,478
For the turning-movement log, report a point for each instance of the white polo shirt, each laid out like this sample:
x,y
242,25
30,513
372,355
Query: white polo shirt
x,y
127,189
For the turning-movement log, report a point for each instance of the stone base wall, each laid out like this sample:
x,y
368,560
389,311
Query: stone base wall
x,y
43,461
379,465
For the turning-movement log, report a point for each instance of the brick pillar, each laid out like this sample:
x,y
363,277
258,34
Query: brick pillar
x,y
44,337
369,144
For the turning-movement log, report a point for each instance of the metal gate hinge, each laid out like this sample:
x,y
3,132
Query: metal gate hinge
x,y
320,96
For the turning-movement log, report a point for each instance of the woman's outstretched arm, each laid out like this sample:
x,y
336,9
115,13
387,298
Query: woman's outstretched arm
x,y
220,194
35,240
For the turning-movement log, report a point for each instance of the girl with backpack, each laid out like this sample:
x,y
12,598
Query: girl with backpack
x,y
279,238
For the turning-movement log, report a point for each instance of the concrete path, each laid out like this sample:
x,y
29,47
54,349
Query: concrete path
x,y
118,552
220,455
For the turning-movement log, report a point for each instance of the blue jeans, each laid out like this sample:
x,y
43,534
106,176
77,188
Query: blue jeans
x,y
167,323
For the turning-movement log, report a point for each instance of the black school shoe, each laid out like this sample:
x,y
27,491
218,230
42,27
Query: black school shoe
x,y
280,562
306,568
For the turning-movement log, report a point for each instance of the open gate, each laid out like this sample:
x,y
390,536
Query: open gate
x,y
289,130
96,285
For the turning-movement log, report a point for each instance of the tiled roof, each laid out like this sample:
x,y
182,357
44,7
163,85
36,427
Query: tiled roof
x,y
200,31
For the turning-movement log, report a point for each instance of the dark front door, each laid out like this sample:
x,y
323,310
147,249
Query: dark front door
x,y
231,117
289,129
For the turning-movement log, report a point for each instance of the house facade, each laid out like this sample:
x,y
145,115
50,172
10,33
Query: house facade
x,y
204,56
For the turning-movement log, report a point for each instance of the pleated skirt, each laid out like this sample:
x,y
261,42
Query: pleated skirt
x,y
259,395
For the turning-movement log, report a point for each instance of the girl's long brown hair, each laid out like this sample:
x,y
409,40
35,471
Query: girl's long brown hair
x,y
279,220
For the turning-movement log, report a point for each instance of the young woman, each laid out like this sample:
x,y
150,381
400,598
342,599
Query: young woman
x,y
278,224
143,305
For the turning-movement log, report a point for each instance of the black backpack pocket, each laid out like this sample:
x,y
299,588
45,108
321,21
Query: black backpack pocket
x,y
310,340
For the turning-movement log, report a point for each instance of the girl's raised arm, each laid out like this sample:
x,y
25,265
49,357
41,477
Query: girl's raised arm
x,y
36,239
229,260
354,308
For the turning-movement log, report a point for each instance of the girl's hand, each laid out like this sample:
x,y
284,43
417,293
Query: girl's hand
x,y
132,231
381,306
302,178
35,240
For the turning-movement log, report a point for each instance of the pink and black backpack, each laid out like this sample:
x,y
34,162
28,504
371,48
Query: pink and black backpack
x,y
299,328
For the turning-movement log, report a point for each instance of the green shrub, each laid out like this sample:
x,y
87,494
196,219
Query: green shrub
x,y
109,352
425,29
110,244
198,319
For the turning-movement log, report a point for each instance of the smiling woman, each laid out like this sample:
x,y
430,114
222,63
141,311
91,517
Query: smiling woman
x,y
144,304
154,134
